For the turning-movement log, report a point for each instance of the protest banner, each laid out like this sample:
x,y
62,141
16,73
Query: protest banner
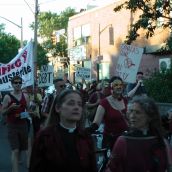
x,y
45,77
83,73
21,65
128,62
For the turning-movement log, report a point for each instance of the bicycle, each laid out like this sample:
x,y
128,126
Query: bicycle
x,y
102,154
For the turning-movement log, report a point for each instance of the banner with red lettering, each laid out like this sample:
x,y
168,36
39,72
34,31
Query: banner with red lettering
x,y
128,62
21,65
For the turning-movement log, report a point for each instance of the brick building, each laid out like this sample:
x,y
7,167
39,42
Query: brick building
x,y
95,36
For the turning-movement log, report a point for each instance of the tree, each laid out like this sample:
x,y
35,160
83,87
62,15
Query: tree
x,y
152,11
159,85
48,23
42,58
9,45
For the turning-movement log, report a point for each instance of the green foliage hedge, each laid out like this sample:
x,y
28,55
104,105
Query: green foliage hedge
x,y
159,86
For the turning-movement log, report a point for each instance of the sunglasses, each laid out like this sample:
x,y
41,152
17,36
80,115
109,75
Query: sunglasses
x,y
17,83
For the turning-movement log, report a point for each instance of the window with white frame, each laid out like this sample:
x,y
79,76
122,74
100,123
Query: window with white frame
x,y
77,33
86,30
81,34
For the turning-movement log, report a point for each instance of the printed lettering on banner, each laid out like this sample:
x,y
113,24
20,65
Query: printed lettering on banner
x,y
21,65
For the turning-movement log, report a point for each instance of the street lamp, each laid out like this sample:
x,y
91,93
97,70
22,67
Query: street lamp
x,y
100,31
19,26
99,48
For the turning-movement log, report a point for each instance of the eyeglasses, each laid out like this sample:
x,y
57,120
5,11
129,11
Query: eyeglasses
x,y
17,83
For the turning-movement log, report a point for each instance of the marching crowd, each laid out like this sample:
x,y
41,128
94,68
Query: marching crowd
x,y
55,130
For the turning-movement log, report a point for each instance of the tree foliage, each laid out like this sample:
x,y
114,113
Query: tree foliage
x,y
9,45
152,11
49,22
42,58
159,86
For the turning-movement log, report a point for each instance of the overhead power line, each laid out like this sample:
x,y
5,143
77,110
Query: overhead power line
x,y
47,2
29,6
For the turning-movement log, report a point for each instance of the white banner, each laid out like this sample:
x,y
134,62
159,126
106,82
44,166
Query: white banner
x,y
82,72
45,77
21,65
128,62
77,53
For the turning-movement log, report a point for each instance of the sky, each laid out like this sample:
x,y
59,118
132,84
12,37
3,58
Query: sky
x,y
17,10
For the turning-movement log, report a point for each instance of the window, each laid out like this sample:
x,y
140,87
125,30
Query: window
x,y
77,33
86,30
81,35
104,70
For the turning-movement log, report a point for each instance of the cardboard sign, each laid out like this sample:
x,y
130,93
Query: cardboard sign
x,y
128,62
45,77
83,73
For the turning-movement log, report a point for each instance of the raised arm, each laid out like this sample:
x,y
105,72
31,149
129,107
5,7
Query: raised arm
x,y
99,115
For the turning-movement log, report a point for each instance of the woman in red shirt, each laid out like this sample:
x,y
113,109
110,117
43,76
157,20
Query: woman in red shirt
x,y
112,112
143,148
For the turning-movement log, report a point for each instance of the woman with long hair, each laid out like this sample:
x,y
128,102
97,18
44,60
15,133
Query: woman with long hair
x,y
62,145
142,148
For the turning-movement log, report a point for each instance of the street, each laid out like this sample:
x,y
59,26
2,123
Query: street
x,y
5,157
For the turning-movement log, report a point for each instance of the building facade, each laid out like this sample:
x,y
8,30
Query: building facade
x,y
95,36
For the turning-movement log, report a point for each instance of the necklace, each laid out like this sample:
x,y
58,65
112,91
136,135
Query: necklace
x,y
115,103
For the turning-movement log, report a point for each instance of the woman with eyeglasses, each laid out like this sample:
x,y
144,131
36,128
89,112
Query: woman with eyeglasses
x,y
143,148
62,145
112,112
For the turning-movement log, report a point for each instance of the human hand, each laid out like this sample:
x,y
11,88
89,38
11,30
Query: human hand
x,y
91,129
14,106
140,82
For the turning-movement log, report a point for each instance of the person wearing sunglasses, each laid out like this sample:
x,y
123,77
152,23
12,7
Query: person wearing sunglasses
x,y
112,113
14,105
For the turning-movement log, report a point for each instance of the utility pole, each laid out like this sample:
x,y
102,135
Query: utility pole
x,y
35,41
35,46
21,42
19,26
